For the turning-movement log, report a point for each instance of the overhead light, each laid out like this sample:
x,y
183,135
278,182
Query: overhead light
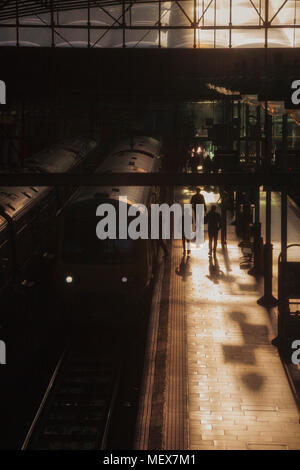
x,y
222,90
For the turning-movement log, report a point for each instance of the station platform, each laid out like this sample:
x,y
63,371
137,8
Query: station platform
x,y
213,380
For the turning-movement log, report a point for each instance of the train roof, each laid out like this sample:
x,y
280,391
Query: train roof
x,y
128,161
121,161
15,198
149,145
3,223
59,158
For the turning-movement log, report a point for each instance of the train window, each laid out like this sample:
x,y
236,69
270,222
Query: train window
x,y
81,245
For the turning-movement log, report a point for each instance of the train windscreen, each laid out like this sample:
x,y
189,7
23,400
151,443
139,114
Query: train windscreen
x,y
81,245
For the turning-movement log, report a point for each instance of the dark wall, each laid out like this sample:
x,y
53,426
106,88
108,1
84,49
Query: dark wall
x,y
147,74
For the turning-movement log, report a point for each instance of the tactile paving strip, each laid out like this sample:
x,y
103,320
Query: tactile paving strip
x,y
175,435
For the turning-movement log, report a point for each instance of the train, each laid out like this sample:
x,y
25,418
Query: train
x,y
26,213
105,279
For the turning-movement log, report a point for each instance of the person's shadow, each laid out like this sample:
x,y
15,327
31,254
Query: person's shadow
x,y
183,270
214,270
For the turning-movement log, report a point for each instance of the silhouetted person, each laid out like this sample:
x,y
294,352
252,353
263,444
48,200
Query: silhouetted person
x,y
206,164
213,224
184,240
198,198
194,163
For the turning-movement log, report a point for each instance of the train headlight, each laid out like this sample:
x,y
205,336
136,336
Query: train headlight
x,y
69,279
127,279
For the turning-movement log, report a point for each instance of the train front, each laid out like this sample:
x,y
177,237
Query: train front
x,y
103,274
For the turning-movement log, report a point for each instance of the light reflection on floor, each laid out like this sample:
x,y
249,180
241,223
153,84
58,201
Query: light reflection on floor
x,y
238,393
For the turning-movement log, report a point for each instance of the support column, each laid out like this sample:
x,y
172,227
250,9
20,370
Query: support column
x,y
239,135
247,134
257,248
282,300
267,299
257,269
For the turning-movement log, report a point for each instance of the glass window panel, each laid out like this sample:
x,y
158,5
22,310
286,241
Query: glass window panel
x,y
177,17
143,14
8,36
66,37
142,38
243,13
43,18
286,14
35,37
180,38
72,17
115,11
223,12
297,37
106,38
222,38
248,38
206,38
279,37
209,15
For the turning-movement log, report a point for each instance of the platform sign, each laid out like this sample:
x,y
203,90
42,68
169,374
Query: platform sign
x,y
292,279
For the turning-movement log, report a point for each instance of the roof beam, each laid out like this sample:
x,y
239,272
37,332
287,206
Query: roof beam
x,y
272,179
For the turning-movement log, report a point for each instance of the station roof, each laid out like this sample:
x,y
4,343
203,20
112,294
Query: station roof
x,y
9,9
150,23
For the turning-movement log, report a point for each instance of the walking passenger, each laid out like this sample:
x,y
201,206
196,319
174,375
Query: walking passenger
x,y
214,223
198,198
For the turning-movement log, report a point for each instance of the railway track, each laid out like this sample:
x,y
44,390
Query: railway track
x,y
76,410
